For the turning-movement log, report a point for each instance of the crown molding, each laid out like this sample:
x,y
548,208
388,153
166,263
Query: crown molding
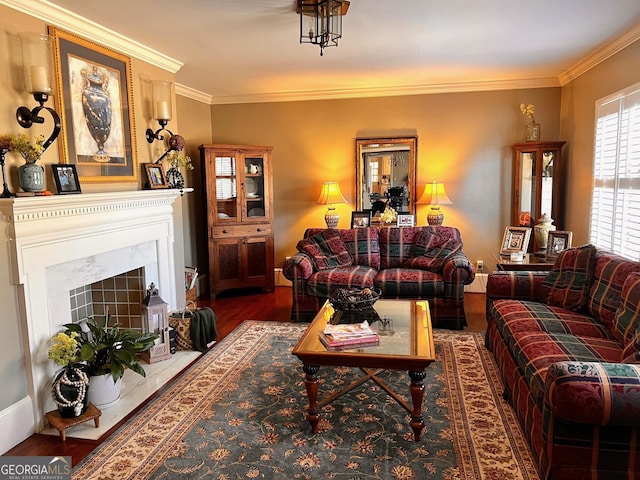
x,y
600,54
193,94
83,27
391,91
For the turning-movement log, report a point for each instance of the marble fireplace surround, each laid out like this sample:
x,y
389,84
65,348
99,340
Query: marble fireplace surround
x,y
62,242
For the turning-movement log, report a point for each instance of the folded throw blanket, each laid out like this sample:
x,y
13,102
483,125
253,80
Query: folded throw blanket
x,y
203,328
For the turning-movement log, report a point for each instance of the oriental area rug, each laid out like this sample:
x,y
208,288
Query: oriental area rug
x,y
239,412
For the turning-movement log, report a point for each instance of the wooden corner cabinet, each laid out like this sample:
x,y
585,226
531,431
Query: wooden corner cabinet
x,y
537,183
239,191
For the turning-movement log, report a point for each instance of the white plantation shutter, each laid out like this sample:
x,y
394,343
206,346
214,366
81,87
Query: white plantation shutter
x,y
615,208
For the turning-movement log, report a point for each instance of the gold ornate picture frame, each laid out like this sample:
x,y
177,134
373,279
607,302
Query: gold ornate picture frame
x,y
515,240
94,99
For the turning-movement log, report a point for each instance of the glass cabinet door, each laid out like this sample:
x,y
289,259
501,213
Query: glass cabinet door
x,y
254,183
226,188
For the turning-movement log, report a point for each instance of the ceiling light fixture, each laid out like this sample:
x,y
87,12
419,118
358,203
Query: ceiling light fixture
x,y
321,21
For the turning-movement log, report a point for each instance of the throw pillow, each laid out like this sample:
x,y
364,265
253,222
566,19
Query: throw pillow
x,y
326,249
430,250
626,320
568,283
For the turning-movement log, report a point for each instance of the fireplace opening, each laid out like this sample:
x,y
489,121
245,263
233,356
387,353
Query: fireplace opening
x,y
121,295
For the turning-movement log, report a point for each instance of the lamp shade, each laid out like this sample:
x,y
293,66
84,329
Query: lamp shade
x,y
330,194
435,195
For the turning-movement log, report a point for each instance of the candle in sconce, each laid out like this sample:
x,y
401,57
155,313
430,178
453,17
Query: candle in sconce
x,y
162,110
39,79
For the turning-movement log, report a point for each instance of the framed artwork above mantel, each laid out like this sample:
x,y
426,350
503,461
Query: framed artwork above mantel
x,y
94,98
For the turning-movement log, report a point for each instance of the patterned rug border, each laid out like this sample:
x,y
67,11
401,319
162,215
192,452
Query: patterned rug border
x,y
137,449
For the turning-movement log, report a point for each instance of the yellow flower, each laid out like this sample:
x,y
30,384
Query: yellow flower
x,y
389,215
65,349
528,110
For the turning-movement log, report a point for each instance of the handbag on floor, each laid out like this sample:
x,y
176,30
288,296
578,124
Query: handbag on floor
x,y
195,328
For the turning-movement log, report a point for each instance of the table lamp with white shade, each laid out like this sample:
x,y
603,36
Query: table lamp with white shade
x,y
331,195
435,195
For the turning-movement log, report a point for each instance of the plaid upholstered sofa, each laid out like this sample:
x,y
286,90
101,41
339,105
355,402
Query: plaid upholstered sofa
x,y
567,343
403,262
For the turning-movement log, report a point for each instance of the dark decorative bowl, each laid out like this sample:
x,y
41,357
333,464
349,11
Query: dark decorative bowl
x,y
355,299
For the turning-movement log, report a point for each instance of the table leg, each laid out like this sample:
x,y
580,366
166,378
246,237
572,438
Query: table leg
x,y
311,384
417,394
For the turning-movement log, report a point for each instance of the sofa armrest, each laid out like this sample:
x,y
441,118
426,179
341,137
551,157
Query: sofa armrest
x,y
596,393
518,285
458,269
298,266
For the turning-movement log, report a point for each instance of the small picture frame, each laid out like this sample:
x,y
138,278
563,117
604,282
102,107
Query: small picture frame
x,y
515,240
361,219
155,176
66,178
406,220
558,241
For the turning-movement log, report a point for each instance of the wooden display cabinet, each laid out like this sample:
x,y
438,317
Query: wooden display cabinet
x,y
238,184
537,183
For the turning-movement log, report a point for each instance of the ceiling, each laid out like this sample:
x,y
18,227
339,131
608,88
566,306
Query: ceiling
x,y
248,50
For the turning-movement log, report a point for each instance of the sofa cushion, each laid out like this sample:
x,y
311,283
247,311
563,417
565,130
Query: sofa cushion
x,y
323,282
611,271
518,316
568,283
397,243
362,244
326,249
626,320
430,250
408,282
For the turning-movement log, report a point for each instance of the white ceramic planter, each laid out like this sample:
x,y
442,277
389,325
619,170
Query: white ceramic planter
x,y
103,392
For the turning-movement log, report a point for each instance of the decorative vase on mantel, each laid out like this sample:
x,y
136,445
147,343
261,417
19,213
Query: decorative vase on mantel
x,y
541,231
533,131
31,177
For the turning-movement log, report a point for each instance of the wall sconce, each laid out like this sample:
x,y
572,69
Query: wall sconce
x,y
161,93
435,195
36,61
329,195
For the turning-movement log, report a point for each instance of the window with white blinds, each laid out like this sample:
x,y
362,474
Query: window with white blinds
x,y
615,207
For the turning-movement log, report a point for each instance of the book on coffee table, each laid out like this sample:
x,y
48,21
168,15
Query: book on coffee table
x,y
360,341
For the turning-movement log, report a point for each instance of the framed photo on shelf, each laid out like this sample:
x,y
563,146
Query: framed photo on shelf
x,y
515,240
406,220
66,178
361,219
558,241
94,99
155,176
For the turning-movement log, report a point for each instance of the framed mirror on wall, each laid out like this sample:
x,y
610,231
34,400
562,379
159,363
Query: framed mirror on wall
x,y
386,174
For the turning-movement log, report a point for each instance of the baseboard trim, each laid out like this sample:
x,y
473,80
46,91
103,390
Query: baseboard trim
x,y
16,423
281,281
479,284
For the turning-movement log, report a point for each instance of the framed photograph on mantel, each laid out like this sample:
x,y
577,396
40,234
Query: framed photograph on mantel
x,y
94,99
66,178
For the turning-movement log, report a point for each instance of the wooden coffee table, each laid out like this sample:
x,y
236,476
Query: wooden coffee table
x,y
406,343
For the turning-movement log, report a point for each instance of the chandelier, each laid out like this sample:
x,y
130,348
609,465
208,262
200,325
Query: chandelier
x,y
321,21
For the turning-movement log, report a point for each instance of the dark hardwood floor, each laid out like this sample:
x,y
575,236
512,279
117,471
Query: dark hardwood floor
x,y
231,309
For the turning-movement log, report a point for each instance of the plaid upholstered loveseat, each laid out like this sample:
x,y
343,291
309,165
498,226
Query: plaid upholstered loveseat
x,y
403,262
567,344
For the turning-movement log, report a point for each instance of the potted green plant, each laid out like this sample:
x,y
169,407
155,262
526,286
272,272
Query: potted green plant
x,y
108,350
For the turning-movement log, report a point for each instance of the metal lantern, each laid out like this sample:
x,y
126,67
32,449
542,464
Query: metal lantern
x,y
155,319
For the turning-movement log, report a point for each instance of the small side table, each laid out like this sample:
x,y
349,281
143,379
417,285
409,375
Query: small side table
x,y
530,262
61,423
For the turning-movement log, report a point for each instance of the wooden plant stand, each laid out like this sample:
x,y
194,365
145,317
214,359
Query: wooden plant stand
x,y
61,424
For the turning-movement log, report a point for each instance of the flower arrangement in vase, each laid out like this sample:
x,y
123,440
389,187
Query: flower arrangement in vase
x,y
30,175
389,215
70,390
176,159
533,127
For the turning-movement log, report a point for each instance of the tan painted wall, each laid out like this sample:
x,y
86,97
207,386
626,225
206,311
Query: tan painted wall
x,y
577,126
464,140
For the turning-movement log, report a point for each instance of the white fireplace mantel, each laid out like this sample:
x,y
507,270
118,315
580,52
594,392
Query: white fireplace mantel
x,y
57,243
